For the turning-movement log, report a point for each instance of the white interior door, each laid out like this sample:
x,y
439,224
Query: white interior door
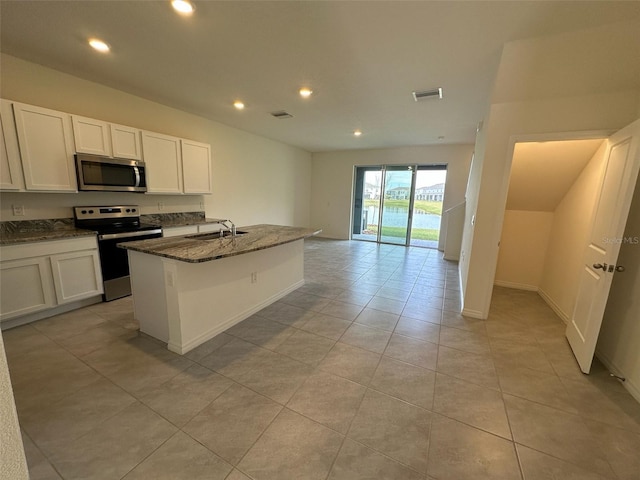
x,y
601,253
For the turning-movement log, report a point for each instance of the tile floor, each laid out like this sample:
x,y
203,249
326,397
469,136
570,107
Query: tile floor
x,y
366,372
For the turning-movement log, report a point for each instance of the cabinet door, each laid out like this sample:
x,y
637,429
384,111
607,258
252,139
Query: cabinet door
x,y
10,167
126,142
25,287
46,148
161,153
91,136
196,167
76,275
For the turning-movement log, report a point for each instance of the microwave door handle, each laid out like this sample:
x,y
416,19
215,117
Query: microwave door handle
x,y
136,171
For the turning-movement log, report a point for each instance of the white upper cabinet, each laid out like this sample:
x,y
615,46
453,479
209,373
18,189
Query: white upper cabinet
x,y
10,166
163,159
91,136
46,148
125,142
196,167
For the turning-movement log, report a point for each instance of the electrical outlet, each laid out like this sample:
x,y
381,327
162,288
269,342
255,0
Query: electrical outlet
x,y
160,205
18,210
254,277
201,205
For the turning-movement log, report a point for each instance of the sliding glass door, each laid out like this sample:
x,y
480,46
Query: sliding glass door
x,y
398,204
396,201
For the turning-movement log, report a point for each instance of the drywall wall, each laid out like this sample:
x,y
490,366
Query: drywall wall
x,y
519,109
12,460
255,180
523,248
619,341
332,179
573,218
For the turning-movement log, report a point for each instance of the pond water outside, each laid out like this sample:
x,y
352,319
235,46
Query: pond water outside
x,y
397,217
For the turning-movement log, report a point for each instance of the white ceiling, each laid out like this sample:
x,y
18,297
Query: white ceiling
x,y
362,59
543,172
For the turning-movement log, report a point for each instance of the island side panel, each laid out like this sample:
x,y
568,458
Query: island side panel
x,y
214,296
149,294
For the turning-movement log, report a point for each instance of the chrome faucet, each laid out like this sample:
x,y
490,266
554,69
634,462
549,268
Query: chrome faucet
x,y
231,228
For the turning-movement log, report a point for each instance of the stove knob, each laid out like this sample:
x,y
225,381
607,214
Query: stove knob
x,y
91,211
83,212
128,210
134,210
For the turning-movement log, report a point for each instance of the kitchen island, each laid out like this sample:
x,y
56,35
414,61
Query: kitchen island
x,y
186,290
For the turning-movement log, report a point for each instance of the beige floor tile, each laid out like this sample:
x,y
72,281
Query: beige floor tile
x,y
421,312
292,448
425,331
351,362
346,311
277,377
378,319
24,340
55,425
556,433
464,340
386,305
237,475
411,350
394,428
306,301
287,314
534,385
456,320
520,354
368,338
472,404
330,400
261,331
405,381
129,437
472,367
100,336
185,395
208,347
39,467
621,448
68,324
461,452
349,296
306,347
232,423
326,326
181,457
235,358
540,466
357,462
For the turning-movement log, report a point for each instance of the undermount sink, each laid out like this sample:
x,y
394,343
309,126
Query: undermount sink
x,y
215,235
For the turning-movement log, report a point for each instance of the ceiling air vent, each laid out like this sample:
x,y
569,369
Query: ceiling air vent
x,y
423,95
281,114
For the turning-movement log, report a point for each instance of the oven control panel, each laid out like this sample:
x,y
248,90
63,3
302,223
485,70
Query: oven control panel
x,y
96,213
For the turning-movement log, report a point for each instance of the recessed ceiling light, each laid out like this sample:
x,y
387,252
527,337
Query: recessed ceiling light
x,y
184,7
99,45
305,92
357,133
238,104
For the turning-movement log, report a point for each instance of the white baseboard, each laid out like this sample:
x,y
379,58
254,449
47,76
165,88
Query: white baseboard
x,y
516,286
628,384
554,306
32,317
472,313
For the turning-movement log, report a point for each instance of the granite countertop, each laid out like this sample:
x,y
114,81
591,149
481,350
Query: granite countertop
x,y
183,219
195,250
26,231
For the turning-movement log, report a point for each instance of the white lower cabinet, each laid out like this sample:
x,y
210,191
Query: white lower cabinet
x,y
43,275
26,287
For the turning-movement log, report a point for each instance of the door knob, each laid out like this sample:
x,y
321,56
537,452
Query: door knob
x,y
620,268
600,265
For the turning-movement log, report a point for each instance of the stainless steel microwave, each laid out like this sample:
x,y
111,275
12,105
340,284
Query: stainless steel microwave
x,y
105,174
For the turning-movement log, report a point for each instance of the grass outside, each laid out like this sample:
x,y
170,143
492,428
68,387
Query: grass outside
x,y
424,205
401,232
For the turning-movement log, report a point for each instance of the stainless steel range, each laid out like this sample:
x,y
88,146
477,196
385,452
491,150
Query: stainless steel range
x,y
115,224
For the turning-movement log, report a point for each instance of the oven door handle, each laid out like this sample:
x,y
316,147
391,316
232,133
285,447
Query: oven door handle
x,y
136,171
114,236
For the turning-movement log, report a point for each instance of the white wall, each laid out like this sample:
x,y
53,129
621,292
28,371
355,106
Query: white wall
x,y
255,180
619,341
523,248
573,218
332,179
12,461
